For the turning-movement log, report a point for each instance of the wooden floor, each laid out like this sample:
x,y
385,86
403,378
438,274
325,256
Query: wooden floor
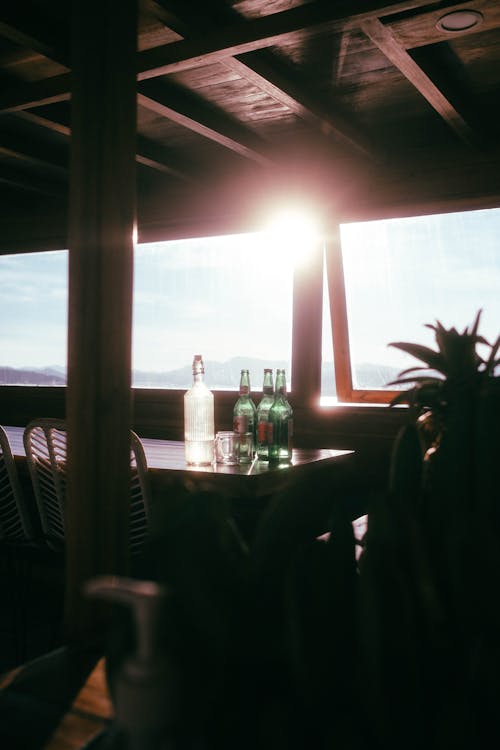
x,y
56,702
88,717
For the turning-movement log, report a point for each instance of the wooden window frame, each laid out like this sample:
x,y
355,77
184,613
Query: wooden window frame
x,y
340,328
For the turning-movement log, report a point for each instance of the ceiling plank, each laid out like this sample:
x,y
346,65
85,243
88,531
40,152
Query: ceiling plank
x,y
384,39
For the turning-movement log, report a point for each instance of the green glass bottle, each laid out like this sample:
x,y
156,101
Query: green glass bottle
x,y
281,423
263,407
245,419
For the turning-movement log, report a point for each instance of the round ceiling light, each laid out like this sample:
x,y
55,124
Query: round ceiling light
x,y
459,20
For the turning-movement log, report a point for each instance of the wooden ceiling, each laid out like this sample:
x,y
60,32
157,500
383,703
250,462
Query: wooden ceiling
x,y
358,103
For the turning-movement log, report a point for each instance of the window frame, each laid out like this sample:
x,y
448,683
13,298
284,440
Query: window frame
x,y
340,329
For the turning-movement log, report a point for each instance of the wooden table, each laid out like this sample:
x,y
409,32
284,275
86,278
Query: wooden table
x,y
166,464
248,487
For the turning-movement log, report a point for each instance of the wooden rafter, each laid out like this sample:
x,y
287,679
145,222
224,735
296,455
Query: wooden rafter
x,y
246,36
149,154
384,39
261,70
262,32
207,122
234,45
30,182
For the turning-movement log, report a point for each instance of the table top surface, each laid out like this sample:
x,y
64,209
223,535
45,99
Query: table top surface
x,y
169,455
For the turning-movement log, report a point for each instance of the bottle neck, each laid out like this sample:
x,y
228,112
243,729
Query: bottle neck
x,y
267,385
280,386
244,384
198,371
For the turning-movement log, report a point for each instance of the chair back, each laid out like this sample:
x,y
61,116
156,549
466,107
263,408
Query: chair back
x,y
139,494
15,521
45,445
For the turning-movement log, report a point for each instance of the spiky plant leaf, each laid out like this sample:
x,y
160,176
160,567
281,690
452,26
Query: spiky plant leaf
x,y
434,360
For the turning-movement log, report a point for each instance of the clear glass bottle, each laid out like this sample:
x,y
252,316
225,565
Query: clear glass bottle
x,y
199,419
281,423
245,419
262,415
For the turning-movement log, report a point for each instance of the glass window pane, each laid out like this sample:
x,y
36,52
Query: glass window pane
x,y
403,273
227,298
33,318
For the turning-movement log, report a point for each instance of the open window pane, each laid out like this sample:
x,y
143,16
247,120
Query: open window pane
x,y
227,298
33,315
403,273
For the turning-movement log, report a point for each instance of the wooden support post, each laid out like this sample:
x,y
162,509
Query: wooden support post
x,y
101,231
307,319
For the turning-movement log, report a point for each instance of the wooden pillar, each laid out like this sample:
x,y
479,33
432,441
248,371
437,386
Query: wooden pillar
x,y
307,320
101,230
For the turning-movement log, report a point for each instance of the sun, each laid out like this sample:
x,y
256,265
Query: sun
x,y
289,237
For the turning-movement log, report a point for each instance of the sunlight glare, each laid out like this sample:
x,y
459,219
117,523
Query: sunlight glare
x,y
290,236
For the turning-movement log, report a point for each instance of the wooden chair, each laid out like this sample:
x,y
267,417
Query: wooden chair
x,y
45,446
17,557
15,521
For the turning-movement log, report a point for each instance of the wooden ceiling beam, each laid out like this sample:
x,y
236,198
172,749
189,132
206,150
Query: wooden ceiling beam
x,y
28,157
385,40
208,122
240,38
20,146
261,69
30,94
30,182
266,77
23,30
261,32
149,154
44,122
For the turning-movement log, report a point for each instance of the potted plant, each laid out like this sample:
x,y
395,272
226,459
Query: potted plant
x,y
450,374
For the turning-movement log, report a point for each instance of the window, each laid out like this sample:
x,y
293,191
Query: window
x,y
227,298
33,315
402,273
249,300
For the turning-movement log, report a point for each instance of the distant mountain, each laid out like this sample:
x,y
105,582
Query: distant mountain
x,y
218,375
45,376
370,375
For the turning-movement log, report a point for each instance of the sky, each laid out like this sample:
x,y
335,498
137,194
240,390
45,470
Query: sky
x,y
232,296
